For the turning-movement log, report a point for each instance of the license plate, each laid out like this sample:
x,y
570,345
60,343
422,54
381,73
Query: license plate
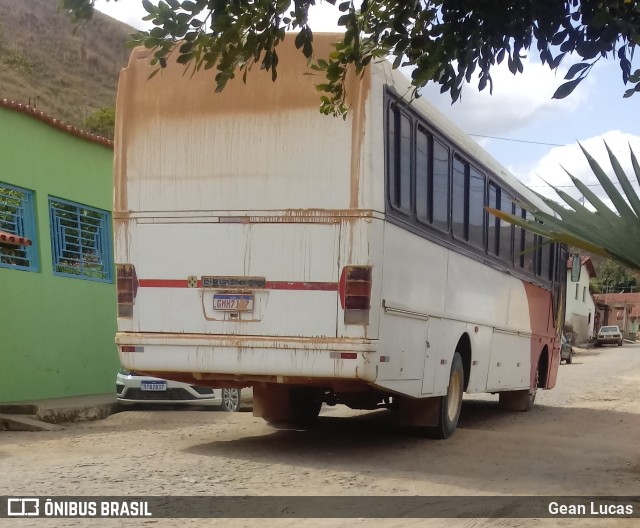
x,y
153,385
233,302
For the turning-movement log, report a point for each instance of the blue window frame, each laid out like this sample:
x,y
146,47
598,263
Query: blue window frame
x,y
17,216
80,241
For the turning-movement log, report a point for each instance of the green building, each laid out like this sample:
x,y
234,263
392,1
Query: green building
x,y
57,284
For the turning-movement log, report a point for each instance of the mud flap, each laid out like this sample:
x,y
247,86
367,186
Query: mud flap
x,y
518,401
419,412
271,402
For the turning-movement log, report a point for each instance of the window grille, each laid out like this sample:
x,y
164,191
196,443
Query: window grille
x,y
17,216
80,241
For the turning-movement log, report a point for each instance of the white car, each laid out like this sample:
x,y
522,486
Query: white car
x,y
609,335
135,388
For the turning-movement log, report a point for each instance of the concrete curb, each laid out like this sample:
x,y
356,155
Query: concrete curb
x,y
62,410
21,422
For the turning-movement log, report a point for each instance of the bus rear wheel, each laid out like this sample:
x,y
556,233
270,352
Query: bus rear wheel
x,y
450,404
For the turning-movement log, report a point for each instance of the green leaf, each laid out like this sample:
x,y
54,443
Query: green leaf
x,y
565,89
629,191
575,69
148,6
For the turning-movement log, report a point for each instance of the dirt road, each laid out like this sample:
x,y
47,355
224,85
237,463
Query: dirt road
x,y
581,439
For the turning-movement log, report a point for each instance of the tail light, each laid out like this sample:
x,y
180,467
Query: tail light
x,y
127,286
355,294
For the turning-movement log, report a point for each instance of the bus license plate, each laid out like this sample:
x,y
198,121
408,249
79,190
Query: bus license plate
x,y
233,302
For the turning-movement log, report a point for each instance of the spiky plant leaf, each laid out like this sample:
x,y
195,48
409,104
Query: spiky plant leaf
x,y
612,233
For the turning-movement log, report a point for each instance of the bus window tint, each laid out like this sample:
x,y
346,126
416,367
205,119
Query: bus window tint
x,y
544,258
494,222
440,186
506,229
403,178
529,248
458,194
391,152
422,176
518,240
476,208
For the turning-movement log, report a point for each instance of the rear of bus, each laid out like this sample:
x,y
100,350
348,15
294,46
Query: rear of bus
x,y
246,231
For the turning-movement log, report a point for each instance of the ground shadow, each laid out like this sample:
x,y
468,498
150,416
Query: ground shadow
x,y
488,437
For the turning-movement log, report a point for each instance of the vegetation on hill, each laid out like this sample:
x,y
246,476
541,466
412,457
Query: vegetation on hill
x,y
43,61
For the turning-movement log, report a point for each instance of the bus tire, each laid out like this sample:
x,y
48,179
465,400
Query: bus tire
x,y
450,404
520,400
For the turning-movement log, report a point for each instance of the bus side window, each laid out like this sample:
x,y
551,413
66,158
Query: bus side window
x,y
476,208
423,193
543,264
391,151
399,151
494,221
440,185
459,193
403,176
529,251
518,242
506,228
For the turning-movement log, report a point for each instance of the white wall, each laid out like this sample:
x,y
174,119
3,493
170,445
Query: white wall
x,y
580,306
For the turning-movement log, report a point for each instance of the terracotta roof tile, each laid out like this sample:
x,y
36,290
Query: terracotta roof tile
x,y
55,123
14,240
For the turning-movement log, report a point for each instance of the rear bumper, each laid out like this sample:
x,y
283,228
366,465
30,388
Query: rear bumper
x,y
250,357
608,340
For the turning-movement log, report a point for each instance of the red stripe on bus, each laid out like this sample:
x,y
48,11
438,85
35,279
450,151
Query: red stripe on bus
x,y
270,285
319,286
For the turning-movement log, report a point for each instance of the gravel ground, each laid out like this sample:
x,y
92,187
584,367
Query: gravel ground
x,y
581,439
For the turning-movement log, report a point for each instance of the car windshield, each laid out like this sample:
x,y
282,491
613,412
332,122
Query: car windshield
x,y
609,329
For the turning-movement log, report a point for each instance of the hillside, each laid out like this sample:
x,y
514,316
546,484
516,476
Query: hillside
x,y
68,75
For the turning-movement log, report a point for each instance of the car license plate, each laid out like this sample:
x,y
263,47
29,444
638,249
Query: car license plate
x,y
153,385
233,302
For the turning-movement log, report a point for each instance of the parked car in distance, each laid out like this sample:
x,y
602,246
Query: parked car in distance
x,y
136,388
609,335
566,350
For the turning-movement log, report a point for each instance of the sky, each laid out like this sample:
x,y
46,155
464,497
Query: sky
x,y
540,134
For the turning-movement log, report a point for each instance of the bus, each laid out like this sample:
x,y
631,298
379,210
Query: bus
x,y
322,260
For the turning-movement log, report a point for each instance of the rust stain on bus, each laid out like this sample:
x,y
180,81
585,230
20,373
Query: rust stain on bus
x,y
361,87
121,141
174,94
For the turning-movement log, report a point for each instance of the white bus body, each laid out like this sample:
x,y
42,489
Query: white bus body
x,y
255,246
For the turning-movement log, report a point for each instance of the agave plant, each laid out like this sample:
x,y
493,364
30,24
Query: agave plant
x,y
612,233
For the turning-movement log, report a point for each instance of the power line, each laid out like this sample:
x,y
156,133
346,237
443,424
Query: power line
x,y
573,186
531,142
547,145
518,140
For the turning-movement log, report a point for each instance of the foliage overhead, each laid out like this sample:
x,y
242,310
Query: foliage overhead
x,y
612,233
445,41
614,278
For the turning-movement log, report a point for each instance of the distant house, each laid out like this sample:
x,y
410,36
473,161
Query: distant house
x,y
624,311
580,307
57,306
